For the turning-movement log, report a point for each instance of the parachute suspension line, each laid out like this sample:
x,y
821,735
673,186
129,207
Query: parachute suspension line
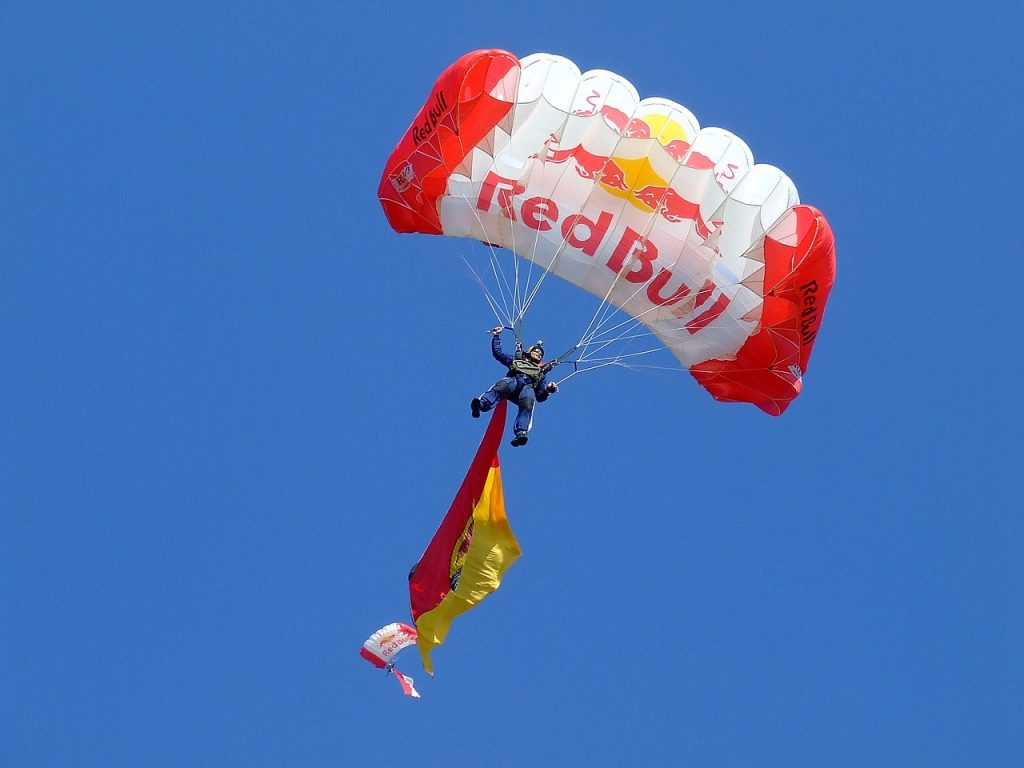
x,y
627,329
558,251
618,358
523,292
488,295
627,326
637,320
517,301
598,332
590,331
577,370
502,281
531,292
587,352
630,329
624,336
594,364
514,318
508,292
565,236
605,308
518,290
631,323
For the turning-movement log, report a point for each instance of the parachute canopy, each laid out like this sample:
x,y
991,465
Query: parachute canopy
x,y
631,200
383,646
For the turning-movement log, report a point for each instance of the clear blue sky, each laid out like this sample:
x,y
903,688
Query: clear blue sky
x,y
235,406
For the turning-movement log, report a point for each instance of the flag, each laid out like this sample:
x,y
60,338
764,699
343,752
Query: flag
x,y
471,550
406,682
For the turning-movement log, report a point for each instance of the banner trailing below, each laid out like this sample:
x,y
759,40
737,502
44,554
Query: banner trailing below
x,y
470,551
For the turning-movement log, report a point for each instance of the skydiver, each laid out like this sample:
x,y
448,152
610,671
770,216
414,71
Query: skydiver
x,y
524,385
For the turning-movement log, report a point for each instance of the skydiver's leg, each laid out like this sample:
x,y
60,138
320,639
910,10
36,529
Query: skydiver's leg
x,y
524,419
489,399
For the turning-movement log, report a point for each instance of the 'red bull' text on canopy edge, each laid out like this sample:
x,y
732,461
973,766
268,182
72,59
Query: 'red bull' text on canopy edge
x,y
631,200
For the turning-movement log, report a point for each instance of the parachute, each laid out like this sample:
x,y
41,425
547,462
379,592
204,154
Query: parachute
x,y
382,648
630,200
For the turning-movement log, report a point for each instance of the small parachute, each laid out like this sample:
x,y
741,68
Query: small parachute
x,y
383,647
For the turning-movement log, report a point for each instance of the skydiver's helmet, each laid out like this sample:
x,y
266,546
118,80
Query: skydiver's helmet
x,y
539,347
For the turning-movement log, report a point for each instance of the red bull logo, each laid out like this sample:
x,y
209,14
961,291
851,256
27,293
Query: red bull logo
x,y
633,257
429,117
673,207
620,176
403,178
615,118
809,315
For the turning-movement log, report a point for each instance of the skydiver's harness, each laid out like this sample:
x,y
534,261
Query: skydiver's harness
x,y
521,364
533,371
528,368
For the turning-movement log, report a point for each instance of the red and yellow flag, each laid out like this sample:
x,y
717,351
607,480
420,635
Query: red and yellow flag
x,y
470,551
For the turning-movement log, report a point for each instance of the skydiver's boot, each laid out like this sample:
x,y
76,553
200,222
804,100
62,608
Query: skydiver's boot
x,y
519,439
475,406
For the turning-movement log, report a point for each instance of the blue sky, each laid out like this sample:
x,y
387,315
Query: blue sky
x,y
235,406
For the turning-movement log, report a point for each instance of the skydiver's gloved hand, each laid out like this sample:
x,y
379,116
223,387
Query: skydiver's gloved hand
x,y
552,387
497,331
